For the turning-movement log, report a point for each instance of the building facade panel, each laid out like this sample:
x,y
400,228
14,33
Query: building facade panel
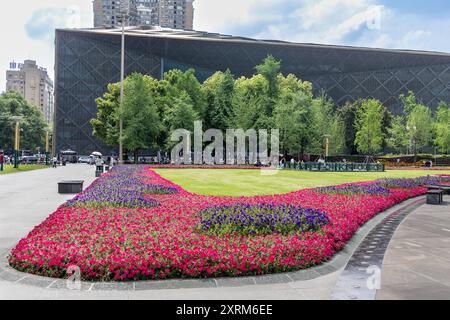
x,y
88,60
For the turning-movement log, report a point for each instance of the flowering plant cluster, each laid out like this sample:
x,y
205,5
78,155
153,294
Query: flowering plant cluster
x,y
122,187
352,189
260,219
412,183
121,240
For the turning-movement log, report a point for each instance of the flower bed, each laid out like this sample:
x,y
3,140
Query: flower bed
x,y
114,238
260,219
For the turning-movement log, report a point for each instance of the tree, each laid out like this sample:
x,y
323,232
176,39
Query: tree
x,y
219,92
292,118
321,122
368,124
106,123
179,81
292,114
32,125
181,115
442,127
419,127
249,98
337,138
270,70
397,135
141,122
347,114
409,102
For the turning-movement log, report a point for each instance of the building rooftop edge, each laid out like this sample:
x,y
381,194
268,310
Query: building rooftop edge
x,y
160,32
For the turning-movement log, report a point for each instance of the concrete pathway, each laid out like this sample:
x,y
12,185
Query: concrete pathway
x,y
27,198
417,262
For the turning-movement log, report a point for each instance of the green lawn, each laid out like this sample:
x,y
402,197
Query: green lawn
x,y
22,168
235,182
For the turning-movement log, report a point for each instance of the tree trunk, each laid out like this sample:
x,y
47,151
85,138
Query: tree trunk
x,y
136,155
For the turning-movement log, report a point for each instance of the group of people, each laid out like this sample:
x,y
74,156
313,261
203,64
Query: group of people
x,y
321,160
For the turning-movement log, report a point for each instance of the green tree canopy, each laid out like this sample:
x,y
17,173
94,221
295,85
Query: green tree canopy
x,y
141,122
179,82
419,126
33,125
369,127
397,138
181,115
106,124
347,115
442,139
219,93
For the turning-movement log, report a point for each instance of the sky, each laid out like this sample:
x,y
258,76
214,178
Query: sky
x,y
27,26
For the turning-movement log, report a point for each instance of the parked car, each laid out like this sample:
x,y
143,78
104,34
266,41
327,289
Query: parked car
x,y
29,159
84,159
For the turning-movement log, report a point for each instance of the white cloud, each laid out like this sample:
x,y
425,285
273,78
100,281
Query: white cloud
x,y
14,18
317,21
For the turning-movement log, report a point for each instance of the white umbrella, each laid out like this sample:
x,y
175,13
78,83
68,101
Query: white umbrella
x,y
96,154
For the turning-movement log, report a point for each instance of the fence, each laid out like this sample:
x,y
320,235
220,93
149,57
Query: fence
x,y
334,167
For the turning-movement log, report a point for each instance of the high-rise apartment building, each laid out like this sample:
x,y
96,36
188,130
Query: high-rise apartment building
x,y
34,84
107,13
177,14
148,12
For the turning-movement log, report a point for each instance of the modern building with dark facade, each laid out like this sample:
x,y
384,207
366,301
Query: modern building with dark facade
x,y
88,59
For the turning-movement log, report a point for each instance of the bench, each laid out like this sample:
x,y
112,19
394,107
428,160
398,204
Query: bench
x,y
445,188
435,197
70,187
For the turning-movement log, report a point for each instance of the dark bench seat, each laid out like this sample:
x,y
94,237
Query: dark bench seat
x,y
443,187
70,187
435,196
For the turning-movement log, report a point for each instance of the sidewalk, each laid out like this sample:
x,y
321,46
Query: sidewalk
x,y
27,198
417,262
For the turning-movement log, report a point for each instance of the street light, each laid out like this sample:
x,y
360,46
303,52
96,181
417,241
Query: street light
x,y
17,119
122,18
327,144
47,146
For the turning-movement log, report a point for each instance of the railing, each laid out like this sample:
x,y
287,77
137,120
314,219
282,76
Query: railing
x,y
334,167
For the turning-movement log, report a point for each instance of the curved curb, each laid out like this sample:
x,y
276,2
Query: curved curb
x,y
361,276
338,262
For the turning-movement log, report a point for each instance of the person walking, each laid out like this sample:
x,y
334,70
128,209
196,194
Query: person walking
x,y
2,160
55,162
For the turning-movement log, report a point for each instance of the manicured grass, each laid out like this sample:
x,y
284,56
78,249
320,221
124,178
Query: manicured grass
x,y
238,182
22,168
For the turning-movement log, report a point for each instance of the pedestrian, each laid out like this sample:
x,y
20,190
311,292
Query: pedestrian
x,y
99,163
2,159
55,162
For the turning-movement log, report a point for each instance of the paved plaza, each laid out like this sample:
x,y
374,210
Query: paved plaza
x,y
415,265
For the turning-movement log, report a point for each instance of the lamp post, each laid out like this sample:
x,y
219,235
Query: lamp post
x,y
122,18
47,149
327,145
17,119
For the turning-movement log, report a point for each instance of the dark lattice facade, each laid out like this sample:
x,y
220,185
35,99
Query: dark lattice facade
x,y
87,60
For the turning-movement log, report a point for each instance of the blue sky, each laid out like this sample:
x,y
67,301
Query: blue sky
x,y
28,29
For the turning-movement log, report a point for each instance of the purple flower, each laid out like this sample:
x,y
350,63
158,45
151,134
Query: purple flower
x,y
260,219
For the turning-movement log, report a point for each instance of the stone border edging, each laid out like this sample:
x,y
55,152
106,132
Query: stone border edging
x,y
338,262
366,263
